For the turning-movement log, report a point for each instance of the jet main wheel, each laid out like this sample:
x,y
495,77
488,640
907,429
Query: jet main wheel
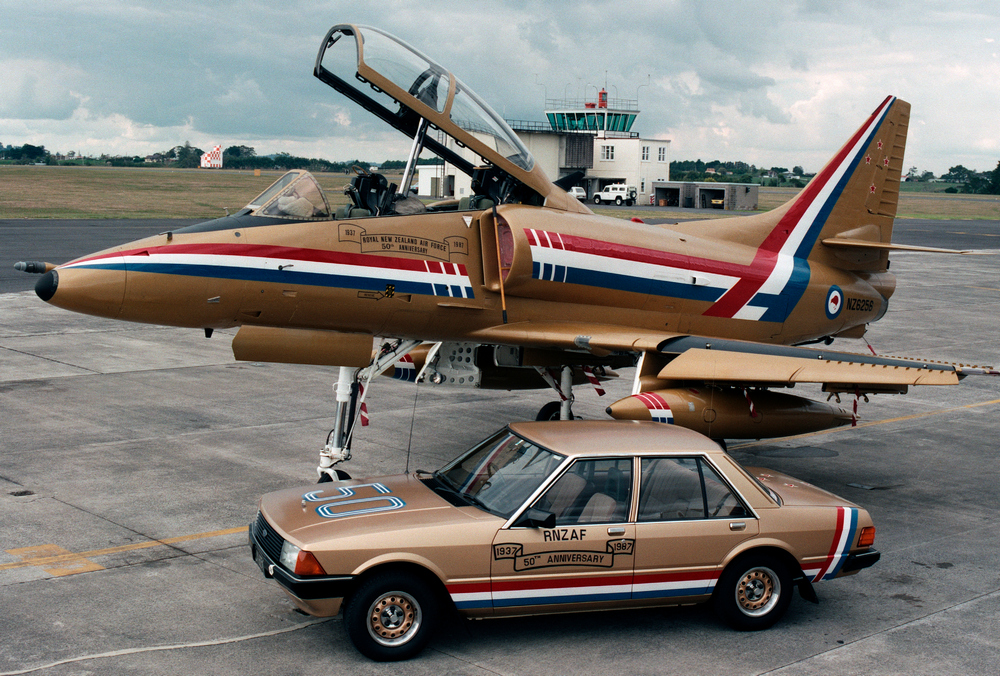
x,y
391,617
753,592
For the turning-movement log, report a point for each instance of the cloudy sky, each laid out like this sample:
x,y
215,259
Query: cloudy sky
x,y
765,82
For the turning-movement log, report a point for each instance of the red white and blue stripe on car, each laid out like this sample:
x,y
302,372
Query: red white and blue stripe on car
x,y
766,289
291,265
512,593
840,548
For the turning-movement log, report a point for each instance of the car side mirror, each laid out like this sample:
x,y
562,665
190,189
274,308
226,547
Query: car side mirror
x,y
536,518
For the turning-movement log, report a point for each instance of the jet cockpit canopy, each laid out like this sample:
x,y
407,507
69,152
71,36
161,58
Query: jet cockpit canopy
x,y
411,92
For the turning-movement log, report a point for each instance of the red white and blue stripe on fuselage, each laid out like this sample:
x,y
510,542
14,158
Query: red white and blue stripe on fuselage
x,y
291,265
767,289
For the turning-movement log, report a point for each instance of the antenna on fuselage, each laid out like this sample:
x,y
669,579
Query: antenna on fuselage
x,y
496,236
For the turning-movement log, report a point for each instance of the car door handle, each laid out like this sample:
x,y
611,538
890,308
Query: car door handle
x,y
737,525
616,531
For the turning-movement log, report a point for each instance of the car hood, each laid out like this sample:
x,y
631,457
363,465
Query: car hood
x,y
377,504
797,492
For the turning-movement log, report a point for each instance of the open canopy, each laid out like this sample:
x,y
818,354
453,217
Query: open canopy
x,y
410,91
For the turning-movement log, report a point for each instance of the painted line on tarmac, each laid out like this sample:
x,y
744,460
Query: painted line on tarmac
x,y
903,418
175,646
75,557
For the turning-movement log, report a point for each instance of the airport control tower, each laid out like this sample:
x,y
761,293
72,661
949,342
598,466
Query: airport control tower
x,y
606,118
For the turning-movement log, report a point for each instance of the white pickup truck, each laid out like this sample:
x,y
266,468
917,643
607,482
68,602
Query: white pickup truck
x,y
618,193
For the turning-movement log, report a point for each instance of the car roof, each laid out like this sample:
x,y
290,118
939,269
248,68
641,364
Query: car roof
x,y
613,437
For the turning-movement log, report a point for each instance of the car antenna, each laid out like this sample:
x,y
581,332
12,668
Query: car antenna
x,y
413,416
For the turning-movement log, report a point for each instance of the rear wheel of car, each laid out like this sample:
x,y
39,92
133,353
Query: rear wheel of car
x,y
618,201
753,592
391,616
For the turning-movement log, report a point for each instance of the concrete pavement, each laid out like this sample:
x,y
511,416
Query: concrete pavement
x,y
131,459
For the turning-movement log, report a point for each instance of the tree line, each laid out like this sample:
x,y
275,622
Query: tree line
x,y
966,181
189,156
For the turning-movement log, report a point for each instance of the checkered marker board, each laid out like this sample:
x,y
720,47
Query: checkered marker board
x,y
213,158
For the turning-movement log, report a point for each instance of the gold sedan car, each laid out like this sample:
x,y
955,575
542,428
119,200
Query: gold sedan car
x,y
549,517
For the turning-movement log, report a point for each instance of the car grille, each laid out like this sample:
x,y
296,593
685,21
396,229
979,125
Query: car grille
x,y
266,536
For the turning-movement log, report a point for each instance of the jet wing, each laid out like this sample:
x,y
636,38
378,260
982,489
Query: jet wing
x,y
734,362
597,339
841,371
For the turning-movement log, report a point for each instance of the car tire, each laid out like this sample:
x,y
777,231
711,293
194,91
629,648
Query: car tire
x,y
597,199
753,592
618,201
391,616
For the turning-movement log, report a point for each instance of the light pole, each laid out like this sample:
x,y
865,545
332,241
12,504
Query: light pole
x,y
640,87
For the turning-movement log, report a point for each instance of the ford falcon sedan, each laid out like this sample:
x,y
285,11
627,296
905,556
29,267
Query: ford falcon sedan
x,y
561,516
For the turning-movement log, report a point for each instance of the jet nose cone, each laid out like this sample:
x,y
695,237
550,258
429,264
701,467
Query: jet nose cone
x,y
629,408
46,285
90,286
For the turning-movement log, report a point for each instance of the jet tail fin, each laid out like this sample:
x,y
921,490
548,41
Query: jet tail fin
x,y
855,196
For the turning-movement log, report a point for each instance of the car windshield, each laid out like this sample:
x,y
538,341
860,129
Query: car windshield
x,y
500,473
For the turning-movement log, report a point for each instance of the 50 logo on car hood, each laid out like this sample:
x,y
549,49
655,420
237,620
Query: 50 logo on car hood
x,y
346,501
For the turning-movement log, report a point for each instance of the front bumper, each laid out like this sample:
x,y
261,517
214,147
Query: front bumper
x,y
860,561
304,588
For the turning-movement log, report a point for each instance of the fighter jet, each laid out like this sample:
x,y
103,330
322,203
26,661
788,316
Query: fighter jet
x,y
521,285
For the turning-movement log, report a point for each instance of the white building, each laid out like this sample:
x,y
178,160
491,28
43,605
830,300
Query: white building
x,y
594,137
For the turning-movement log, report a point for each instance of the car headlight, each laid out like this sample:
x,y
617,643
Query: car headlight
x,y
289,556
299,562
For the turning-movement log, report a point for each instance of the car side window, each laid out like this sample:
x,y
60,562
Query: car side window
x,y
684,488
590,491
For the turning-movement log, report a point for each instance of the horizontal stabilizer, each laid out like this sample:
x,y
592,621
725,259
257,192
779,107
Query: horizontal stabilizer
x,y
841,243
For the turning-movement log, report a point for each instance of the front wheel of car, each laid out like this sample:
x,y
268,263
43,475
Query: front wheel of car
x,y
597,199
618,201
391,617
753,592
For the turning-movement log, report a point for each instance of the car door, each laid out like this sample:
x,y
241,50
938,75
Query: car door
x,y
584,560
688,519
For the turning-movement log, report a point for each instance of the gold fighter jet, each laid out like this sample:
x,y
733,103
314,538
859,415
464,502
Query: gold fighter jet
x,y
520,285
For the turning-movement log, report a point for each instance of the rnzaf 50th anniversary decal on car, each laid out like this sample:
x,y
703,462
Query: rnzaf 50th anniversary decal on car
x,y
563,557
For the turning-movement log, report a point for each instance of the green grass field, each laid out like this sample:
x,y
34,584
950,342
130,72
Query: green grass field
x,y
107,192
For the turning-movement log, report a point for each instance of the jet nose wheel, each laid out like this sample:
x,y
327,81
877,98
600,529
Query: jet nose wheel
x,y
341,475
551,411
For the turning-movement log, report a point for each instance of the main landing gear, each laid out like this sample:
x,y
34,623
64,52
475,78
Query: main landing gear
x,y
349,391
